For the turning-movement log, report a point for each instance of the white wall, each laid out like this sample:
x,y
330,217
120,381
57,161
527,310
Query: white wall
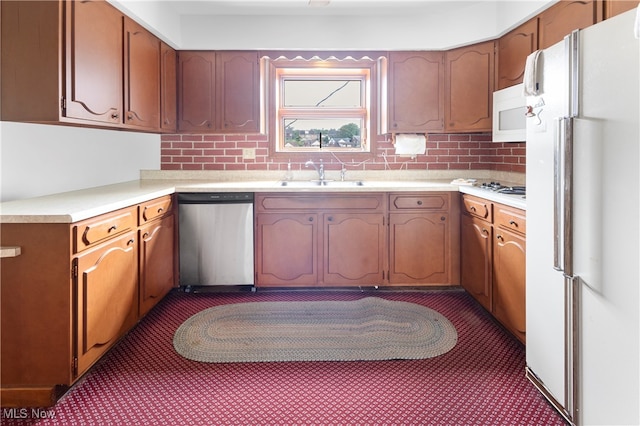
x,y
471,21
38,159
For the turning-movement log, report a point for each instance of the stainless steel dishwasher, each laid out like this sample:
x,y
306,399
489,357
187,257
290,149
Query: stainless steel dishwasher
x,y
215,238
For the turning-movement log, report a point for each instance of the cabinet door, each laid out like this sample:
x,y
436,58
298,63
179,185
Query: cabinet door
x,y
509,251
469,88
416,95
141,77
566,16
419,248
94,62
107,297
616,7
157,266
476,259
286,249
238,92
513,49
168,90
353,249
196,91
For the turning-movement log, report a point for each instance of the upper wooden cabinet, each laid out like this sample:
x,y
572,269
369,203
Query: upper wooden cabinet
x,y
218,92
416,91
93,77
80,63
168,90
141,77
513,49
469,74
566,16
616,7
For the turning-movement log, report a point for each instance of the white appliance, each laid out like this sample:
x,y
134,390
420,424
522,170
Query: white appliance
x,y
509,121
582,181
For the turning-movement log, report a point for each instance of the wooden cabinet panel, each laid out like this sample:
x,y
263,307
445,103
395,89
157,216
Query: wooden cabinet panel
x,y
107,297
419,245
155,209
469,74
566,16
97,230
157,265
287,249
141,77
93,62
509,281
218,92
237,91
616,7
478,207
513,49
510,218
196,91
416,91
419,202
168,92
476,259
353,249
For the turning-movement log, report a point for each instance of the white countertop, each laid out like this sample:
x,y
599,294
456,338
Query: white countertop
x,y
512,200
73,206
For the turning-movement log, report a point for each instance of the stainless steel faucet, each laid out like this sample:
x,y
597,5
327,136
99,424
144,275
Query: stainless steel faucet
x,y
320,169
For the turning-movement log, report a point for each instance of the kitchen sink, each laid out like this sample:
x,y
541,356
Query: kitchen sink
x,y
317,183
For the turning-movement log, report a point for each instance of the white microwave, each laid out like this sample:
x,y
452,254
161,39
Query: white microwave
x,y
509,119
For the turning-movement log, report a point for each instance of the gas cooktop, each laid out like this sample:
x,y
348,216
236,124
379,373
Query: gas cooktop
x,y
497,187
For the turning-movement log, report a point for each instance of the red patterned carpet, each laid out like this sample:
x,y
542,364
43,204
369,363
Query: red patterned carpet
x,y
142,381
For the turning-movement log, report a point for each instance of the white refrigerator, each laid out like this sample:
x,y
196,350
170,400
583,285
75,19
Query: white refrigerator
x,y
583,187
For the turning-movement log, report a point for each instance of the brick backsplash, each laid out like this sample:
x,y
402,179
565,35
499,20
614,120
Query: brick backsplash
x,y
463,151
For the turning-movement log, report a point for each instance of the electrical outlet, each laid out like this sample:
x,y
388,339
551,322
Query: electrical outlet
x,y
248,153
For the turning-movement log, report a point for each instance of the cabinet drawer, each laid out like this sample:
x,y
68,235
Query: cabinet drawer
x,y
433,201
101,228
307,203
477,207
510,218
154,209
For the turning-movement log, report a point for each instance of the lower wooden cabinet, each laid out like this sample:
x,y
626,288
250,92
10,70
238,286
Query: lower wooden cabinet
x,y
353,248
476,257
493,252
286,249
423,239
157,265
319,240
74,291
106,285
355,239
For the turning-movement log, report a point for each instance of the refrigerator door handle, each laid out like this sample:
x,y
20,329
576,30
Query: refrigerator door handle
x,y
567,202
558,233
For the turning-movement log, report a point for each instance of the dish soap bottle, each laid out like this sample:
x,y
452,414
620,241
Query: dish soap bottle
x,y
289,174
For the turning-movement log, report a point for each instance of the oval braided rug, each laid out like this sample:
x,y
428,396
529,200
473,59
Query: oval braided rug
x,y
362,330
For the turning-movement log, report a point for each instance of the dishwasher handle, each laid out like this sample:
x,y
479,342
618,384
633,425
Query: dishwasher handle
x,y
215,197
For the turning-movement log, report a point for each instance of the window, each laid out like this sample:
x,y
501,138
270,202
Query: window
x,y
322,105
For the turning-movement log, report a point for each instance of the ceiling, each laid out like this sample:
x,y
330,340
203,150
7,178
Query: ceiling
x,y
316,7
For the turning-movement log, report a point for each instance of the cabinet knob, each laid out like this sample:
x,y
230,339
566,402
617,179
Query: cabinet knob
x,y
130,117
115,115
485,231
310,219
513,223
442,218
330,218
145,235
131,241
113,228
499,237
472,208
419,202
160,210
